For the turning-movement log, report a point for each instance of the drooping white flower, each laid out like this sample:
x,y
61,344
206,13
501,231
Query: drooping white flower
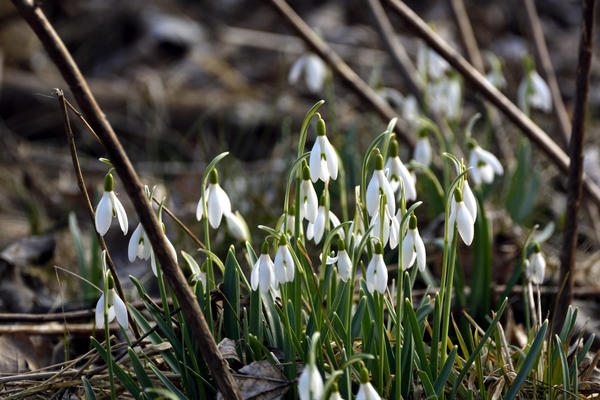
x,y
314,72
262,272
153,256
380,186
395,229
197,274
139,245
315,231
534,92
461,216
323,159
413,247
309,203
237,226
445,97
217,201
377,271
335,396
284,264
422,152
116,307
344,264
537,266
398,173
310,383
484,165
431,63
366,391
109,207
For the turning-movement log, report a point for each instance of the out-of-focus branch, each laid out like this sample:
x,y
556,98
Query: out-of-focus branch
x,y
493,95
191,309
574,182
467,36
341,68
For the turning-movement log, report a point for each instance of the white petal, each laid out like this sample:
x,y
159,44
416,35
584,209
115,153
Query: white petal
x,y
421,255
236,226
392,173
200,206
310,231
307,191
319,227
367,392
541,97
423,152
371,275
332,157
451,220
486,172
100,312
134,241
289,265
315,73
389,193
147,247
215,206
464,223
394,233
335,222
344,265
373,195
171,249
538,268
296,69
470,201
408,251
104,214
490,159
324,170
120,211
381,275
120,311
314,162
279,267
266,275
254,275
474,171
153,263
310,384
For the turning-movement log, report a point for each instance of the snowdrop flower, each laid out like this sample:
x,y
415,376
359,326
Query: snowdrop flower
x,y
422,152
377,271
262,272
335,393
139,245
314,72
153,256
484,165
534,92
344,264
397,173
379,186
217,201
109,207
366,390
116,307
284,263
537,266
237,226
410,109
431,63
309,203
461,216
469,199
381,226
323,159
413,247
310,383
445,97
196,274
395,230
315,231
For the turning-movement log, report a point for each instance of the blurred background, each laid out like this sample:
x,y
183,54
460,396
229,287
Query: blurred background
x,y
182,81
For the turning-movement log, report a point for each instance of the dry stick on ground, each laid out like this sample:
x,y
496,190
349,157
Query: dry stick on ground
x,y
493,95
574,182
342,69
82,188
194,317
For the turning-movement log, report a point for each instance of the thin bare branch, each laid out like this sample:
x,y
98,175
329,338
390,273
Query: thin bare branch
x,y
191,309
467,36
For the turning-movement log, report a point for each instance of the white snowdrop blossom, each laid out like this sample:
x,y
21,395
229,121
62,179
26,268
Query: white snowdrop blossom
x,y
413,247
284,264
377,275
461,216
366,391
469,199
431,63
109,207
395,229
314,72
336,396
116,307
323,161
495,76
217,201
139,245
484,165
379,186
344,264
309,203
445,97
422,152
262,272
534,91
153,256
237,226
397,173
537,266
310,383
315,231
